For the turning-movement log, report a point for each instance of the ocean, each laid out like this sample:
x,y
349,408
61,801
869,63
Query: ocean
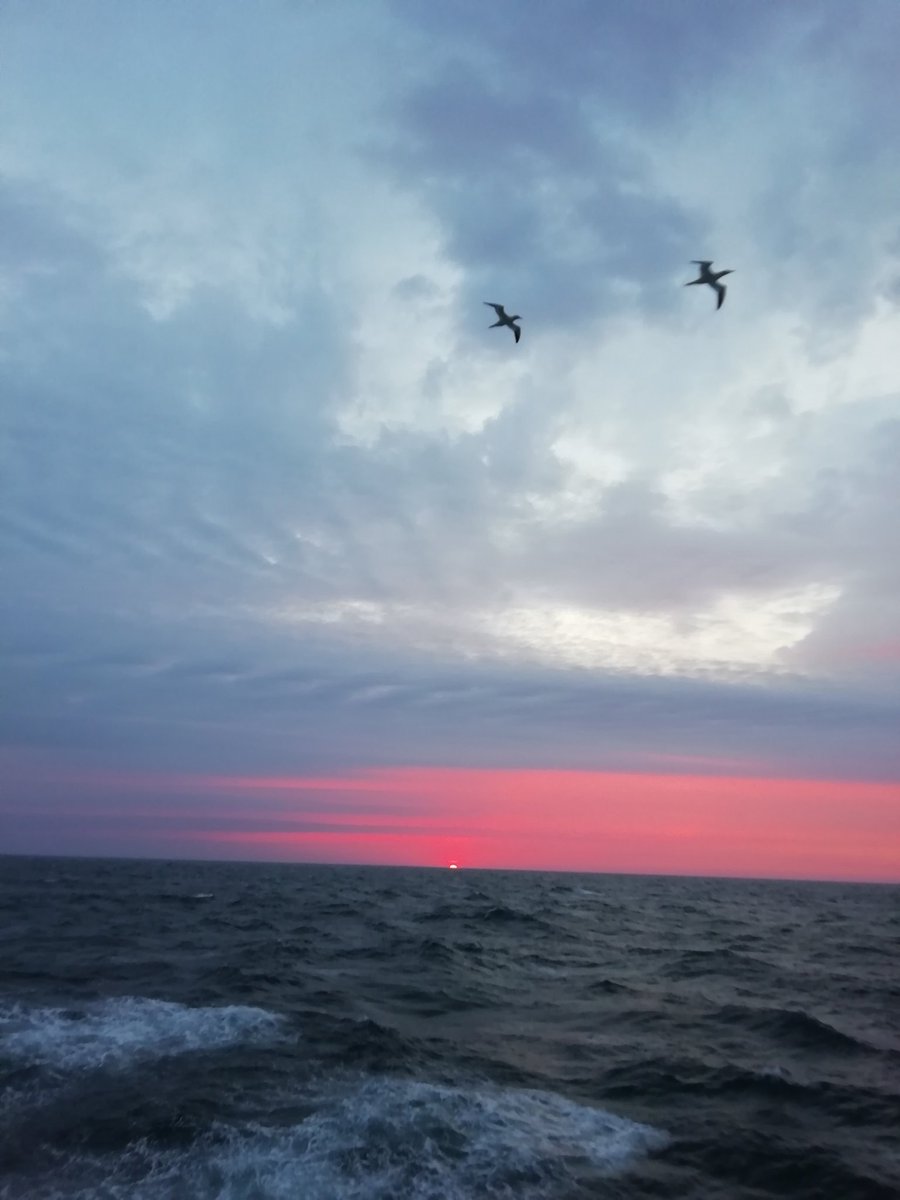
x,y
197,1030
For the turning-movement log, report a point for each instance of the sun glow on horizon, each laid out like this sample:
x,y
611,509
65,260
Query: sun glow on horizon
x,y
606,821
731,823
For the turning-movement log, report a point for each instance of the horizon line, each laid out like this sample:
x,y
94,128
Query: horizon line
x,y
284,862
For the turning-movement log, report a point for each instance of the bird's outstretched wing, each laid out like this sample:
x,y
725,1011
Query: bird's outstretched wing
x,y
721,289
702,262
517,333
498,308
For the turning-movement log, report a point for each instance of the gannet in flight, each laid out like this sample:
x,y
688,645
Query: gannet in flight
x,y
710,277
503,318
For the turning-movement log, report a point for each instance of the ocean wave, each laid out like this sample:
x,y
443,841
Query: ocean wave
x,y
694,964
488,914
503,913
607,987
794,1027
666,1079
116,1032
381,1140
748,1163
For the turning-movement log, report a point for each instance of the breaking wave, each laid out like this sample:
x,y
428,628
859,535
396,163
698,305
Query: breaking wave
x,y
382,1139
114,1033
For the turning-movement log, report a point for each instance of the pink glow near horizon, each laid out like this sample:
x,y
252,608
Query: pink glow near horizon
x,y
566,820
728,823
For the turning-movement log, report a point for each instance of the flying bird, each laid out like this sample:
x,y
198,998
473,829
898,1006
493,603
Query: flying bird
x,y
710,277
503,318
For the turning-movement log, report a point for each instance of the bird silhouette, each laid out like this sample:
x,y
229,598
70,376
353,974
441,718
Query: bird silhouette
x,y
710,277
503,318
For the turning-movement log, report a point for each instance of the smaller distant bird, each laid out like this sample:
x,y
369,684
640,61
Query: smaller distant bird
x,y
710,277
503,318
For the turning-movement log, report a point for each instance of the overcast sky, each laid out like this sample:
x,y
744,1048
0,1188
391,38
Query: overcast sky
x,y
278,505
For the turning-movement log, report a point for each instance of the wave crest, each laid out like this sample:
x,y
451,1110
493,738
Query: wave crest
x,y
116,1032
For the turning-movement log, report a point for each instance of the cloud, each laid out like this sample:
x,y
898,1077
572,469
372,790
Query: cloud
x,y
532,193
273,493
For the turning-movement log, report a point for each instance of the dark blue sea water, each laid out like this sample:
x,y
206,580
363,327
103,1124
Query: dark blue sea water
x,y
187,1030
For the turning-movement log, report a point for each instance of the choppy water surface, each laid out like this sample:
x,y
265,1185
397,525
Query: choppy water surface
x,y
210,1030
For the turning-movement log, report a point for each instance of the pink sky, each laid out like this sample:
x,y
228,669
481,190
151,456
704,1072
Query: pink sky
x,y
718,824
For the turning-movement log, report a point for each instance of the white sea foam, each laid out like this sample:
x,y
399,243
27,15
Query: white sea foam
x,y
383,1140
116,1032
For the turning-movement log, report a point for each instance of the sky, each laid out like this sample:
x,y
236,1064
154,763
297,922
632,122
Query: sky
x,y
303,561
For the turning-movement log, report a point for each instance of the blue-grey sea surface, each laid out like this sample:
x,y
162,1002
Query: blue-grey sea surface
x,y
198,1030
